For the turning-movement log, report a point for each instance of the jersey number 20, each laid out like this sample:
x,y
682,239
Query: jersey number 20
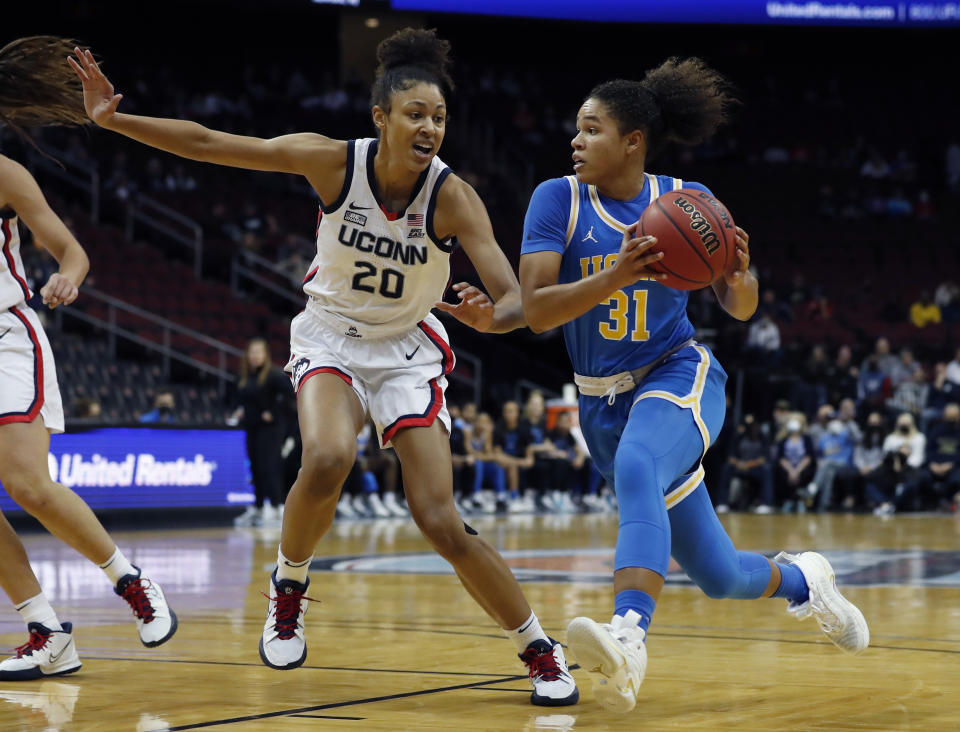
x,y
619,317
391,281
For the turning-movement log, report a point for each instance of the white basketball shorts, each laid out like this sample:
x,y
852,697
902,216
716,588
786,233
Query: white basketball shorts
x,y
399,379
28,376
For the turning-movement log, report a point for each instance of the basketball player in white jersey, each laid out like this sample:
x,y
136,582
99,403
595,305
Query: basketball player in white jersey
x,y
366,342
32,74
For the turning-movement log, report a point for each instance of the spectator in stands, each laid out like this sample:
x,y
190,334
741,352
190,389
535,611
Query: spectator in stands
x,y
462,460
953,368
163,409
510,441
749,462
539,449
778,310
875,167
868,458
902,370
884,360
381,468
947,298
818,429
488,467
819,308
841,377
942,392
88,408
873,386
904,452
262,402
942,473
898,205
568,461
811,390
778,425
795,465
911,396
763,339
924,311
847,413
834,464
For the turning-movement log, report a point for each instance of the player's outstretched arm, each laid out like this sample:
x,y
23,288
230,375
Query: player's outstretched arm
x,y
19,191
461,213
737,290
304,153
548,304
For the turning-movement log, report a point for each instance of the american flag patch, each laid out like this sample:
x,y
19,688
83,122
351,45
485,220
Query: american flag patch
x,y
415,219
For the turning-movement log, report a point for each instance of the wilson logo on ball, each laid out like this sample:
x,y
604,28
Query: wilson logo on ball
x,y
708,237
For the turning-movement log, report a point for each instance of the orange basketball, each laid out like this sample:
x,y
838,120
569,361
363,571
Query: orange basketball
x,y
696,234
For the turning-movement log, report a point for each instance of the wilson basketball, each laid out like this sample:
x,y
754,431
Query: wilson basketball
x,y
696,234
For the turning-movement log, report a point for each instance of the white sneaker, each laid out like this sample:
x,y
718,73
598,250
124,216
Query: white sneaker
x,y
156,622
269,514
763,509
722,508
283,644
376,505
553,686
393,506
487,502
884,509
248,517
839,618
567,504
46,653
614,650
344,509
361,507
517,505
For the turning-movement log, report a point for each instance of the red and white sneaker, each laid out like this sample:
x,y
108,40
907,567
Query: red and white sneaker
x,y
46,653
553,686
283,644
156,622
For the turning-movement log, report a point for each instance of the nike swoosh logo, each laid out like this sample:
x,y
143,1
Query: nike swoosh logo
x,y
525,627
411,355
355,207
54,659
4,332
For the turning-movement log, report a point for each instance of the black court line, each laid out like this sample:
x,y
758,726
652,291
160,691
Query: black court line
x,y
327,716
337,705
491,688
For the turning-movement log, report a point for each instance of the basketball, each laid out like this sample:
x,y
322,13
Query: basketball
x,y
696,234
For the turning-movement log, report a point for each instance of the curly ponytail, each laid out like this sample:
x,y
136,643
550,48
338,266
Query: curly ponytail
x,y
682,100
407,57
37,86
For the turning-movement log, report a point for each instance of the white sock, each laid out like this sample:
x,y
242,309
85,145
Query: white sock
x,y
527,632
37,610
117,567
296,571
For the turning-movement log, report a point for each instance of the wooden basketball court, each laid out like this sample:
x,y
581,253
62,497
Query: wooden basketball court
x,y
396,644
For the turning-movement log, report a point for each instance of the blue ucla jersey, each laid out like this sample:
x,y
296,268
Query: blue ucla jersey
x,y
638,323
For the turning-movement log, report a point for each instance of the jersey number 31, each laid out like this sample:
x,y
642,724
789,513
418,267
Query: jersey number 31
x,y
619,317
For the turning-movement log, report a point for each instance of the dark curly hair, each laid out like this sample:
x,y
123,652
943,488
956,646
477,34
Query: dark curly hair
x,y
410,56
37,86
681,100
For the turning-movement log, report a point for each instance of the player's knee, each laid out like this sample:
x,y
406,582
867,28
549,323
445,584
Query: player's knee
x,y
31,491
443,529
324,468
720,582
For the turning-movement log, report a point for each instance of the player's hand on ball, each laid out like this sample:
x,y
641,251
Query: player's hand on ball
x,y
737,273
474,309
633,258
58,291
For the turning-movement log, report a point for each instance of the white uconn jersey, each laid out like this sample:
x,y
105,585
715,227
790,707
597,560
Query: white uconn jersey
x,y
13,279
378,273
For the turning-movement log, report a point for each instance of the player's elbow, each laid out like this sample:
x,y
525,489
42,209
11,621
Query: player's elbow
x,y
536,322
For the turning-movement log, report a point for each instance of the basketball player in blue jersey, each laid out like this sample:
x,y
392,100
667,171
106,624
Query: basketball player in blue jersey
x,y
366,343
36,89
652,398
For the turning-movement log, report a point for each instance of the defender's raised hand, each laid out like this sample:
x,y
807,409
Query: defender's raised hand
x,y
98,97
